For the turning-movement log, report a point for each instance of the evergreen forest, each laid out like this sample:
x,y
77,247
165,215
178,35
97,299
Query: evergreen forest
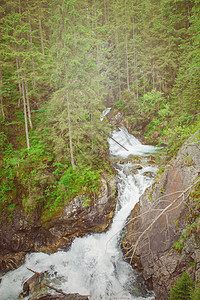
x,y
62,62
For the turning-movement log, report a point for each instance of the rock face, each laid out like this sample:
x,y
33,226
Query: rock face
x,y
24,234
160,218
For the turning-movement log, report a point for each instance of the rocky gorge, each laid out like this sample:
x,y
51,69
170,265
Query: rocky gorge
x,y
93,264
162,233
162,238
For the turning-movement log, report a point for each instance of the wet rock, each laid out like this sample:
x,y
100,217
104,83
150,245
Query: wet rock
x,y
117,118
139,125
154,233
32,285
37,288
135,169
24,233
78,220
127,170
57,297
149,174
11,261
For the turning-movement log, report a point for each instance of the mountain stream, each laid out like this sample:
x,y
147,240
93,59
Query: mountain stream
x,y
94,264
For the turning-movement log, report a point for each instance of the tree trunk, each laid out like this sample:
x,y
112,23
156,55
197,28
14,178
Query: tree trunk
x,y
70,134
31,46
1,95
25,117
92,133
117,47
144,85
19,82
20,12
127,65
136,79
28,104
135,60
41,35
153,78
126,48
105,11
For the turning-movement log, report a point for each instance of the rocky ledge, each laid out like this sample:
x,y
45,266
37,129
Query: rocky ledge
x,y
162,238
24,234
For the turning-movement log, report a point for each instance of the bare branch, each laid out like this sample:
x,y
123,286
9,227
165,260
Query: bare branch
x,y
133,248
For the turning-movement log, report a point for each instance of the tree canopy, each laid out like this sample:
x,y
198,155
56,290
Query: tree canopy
x,y
62,61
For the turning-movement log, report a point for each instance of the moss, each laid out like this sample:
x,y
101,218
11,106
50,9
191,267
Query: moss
x,y
150,195
188,161
178,246
194,203
190,229
162,190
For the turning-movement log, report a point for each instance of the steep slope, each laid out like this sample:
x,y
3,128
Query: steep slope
x,y
27,233
162,236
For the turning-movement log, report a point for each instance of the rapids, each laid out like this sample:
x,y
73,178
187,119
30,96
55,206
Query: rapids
x,y
94,264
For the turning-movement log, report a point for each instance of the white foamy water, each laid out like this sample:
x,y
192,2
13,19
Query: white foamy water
x,y
104,113
128,141
94,264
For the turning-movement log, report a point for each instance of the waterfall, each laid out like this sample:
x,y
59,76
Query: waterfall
x,y
94,264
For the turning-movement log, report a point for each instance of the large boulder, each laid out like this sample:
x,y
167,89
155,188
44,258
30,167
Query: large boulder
x,y
24,234
160,218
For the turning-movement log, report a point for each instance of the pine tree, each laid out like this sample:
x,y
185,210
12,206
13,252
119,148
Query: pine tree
x,y
186,90
76,106
182,289
21,55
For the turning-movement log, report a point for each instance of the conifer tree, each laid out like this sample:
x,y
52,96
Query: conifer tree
x,y
76,106
182,289
186,90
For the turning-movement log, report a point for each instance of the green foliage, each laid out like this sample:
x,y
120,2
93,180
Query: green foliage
x,y
119,105
182,289
35,177
196,293
194,199
179,134
185,288
191,229
82,181
165,111
8,167
143,55
178,245
42,178
129,105
152,101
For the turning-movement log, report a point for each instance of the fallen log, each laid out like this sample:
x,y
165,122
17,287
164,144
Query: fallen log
x,y
118,143
115,140
36,273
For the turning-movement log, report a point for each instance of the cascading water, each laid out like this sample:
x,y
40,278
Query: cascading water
x,y
94,264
